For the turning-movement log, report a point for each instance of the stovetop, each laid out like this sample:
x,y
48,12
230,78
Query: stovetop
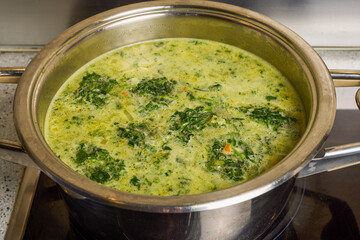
x,y
324,206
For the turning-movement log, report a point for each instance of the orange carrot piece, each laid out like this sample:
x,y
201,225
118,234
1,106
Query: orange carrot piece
x,y
227,148
184,88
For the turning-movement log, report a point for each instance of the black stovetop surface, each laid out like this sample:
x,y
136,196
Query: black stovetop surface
x,y
324,206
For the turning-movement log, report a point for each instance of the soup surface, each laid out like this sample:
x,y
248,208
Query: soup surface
x,y
174,117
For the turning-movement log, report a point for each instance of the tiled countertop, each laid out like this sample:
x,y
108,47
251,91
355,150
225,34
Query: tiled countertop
x,y
10,174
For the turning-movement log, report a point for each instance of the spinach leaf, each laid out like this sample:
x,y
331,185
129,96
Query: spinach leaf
x,y
150,106
229,157
270,117
270,98
184,181
88,152
99,165
215,87
134,133
155,86
191,96
98,174
154,104
212,88
93,89
135,182
190,121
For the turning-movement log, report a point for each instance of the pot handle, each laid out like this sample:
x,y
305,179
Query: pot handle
x,y
334,158
10,75
347,78
9,150
344,155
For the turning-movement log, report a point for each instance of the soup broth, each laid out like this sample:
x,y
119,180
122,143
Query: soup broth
x,y
174,117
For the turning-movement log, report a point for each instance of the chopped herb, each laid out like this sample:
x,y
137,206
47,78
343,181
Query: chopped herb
x,y
99,165
237,119
215,87
168,173
134,133
191,96
135,182
159,44
190,121
196,42
94,88
148,182
179,160
198,74
270,117
118,106
75,120
229,164
165,147
269,98
88,151
154,104
121,54
184,181
150,106
99,175
160,157
201,90
155,86
96,133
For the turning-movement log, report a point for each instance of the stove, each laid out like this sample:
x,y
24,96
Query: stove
x,y
323,206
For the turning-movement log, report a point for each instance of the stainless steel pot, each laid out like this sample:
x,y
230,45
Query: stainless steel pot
x,y
244,211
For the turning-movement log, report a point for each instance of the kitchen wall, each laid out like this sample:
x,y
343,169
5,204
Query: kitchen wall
x,y
320,22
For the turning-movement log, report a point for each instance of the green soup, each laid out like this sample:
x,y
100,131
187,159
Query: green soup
x,y
174,117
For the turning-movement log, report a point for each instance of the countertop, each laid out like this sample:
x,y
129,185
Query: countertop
x,y
10,174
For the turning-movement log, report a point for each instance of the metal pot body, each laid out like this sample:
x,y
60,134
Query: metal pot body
x,y
243,211
245,220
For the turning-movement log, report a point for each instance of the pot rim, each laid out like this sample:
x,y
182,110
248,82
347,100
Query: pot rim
x,y
319,125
